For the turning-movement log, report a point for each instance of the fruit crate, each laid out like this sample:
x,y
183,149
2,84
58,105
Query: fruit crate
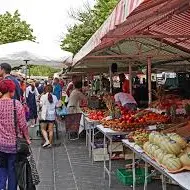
x,y
125,176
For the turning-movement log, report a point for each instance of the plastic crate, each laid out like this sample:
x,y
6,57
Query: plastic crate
x,y
125,176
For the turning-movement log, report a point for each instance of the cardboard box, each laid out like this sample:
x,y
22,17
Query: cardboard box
x,y
100,151
116,147
100,157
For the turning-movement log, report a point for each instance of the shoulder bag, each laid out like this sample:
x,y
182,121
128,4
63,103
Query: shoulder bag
x,y
22,147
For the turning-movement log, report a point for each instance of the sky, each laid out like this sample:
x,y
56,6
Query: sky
x,y
48,18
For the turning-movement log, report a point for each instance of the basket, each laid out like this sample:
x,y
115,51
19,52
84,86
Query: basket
x,y
125,176
72,122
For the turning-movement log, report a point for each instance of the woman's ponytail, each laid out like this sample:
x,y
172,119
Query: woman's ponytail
x,y
50,98
49,89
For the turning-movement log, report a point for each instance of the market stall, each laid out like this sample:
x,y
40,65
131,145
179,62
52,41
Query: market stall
x,y
132,38
115,127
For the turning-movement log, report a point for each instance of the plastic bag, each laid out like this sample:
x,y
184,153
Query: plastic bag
x,y
62,111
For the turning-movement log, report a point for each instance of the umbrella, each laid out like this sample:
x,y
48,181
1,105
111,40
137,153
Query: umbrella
x,y
28,52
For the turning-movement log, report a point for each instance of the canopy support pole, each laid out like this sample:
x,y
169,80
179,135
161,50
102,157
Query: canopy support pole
x,y
26,65
149,61
101,85
111,79
130,79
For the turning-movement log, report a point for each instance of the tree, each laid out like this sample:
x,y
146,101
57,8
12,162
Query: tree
x,y
88,21
39,70
13,29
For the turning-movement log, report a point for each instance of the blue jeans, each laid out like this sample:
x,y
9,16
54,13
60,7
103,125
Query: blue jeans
x,y
7,171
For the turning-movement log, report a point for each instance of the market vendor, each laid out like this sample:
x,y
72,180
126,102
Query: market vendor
x,y
126,100
124,83
71,85
75,99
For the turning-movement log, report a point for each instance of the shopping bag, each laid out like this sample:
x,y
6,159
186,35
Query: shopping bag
x,y
21,173
34,171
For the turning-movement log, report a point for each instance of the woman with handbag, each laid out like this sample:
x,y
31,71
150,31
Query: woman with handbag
x,y
8,134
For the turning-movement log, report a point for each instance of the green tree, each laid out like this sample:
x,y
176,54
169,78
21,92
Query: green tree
x,y
40,70
13,29
89,20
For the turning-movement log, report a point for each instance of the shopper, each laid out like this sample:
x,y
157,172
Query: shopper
x,y
57,90
32,96
75,99
124,83
125,100
5,70
48,103
7,133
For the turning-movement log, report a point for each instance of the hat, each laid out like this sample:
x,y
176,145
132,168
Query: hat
x,y
30,81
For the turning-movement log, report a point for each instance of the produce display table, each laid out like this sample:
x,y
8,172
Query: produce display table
x,y
89,126
183,178
109,134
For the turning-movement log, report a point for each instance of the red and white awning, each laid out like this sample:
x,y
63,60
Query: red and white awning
x,y
116,18
166,20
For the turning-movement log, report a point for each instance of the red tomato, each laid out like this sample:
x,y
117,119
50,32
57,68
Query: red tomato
x,y
99,113
131,119
127,117
122,112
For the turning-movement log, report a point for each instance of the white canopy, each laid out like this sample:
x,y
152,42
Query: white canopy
x,y
17,53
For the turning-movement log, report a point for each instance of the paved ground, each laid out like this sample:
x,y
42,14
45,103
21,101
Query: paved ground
x,y
68,167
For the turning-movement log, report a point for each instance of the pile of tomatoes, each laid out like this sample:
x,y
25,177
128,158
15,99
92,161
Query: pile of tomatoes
x,y
148,117
96,115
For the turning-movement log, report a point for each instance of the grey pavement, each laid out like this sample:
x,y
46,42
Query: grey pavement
x,y
68,167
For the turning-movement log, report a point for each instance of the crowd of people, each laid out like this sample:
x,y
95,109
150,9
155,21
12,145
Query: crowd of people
x,y
33,102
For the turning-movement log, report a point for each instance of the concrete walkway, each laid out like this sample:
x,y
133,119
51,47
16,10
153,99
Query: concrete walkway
x,y
68,167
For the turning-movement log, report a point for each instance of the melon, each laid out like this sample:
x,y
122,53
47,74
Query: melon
x,y
185,159
173,164
145,146
166,158
172,147
178,139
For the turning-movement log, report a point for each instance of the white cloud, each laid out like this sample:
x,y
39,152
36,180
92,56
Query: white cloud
x,y
48,18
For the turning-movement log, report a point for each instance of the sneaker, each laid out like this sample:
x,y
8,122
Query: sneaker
x,y
46,144
49,146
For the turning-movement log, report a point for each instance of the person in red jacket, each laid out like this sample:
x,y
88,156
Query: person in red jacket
x,y
124,83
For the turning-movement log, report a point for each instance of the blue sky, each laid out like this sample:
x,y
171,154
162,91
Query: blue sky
x,y
48,18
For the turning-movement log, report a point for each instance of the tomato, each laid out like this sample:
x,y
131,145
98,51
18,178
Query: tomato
x,y
99,113
122,112
127,117
131,120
